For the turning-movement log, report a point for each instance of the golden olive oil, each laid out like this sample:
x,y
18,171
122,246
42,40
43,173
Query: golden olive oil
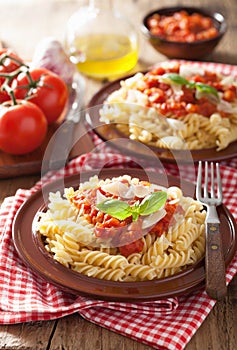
x,y
104,55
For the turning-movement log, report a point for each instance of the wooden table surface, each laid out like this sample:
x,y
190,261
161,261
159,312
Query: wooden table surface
x,y
23,24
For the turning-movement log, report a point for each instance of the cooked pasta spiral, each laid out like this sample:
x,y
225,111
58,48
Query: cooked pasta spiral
x,y
144,104
71,240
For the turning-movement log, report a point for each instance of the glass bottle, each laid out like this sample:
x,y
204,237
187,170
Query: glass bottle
x,y
101,42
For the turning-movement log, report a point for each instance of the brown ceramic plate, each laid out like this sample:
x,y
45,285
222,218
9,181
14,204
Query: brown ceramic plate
x,y
30,248
109,132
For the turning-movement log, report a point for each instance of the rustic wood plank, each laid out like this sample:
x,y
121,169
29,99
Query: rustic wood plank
x,y
8,187
87,336
26,336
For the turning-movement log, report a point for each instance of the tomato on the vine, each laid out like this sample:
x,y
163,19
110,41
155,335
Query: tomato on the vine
x,y
23,127
44,88
3,94
8,62
7,65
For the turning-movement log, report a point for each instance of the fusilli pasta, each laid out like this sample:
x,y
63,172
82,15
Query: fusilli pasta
x,y
189,111
171,243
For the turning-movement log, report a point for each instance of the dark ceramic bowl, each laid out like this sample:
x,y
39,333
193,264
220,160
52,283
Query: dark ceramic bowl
x,y
185,50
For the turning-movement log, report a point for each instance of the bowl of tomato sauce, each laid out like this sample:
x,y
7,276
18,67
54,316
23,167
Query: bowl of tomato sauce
x,y
184,32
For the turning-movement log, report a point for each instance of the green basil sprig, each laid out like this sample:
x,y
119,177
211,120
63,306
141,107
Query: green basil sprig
x,y
122,210
205,88
178,79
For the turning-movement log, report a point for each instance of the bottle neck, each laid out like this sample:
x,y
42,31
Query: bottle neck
x,y
102,5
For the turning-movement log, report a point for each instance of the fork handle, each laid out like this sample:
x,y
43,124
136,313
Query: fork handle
x,y
214,262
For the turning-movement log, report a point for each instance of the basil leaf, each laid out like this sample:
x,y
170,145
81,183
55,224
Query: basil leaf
x,y
122,210
153,202
135,216
135,208
176,78
116,208
206,88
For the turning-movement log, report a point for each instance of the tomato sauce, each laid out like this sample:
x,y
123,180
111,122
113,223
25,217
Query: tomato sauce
x,y
168,102
182,27
125,234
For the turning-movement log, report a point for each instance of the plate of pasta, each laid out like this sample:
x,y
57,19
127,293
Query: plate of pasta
x,y
176,108
121,234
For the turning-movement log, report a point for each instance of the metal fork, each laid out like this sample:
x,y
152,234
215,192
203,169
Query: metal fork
x,y
214,258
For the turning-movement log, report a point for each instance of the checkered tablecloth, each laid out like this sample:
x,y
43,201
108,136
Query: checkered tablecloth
x,y
162,324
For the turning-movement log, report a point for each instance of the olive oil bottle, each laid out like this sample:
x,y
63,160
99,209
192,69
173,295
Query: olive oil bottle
x,y
100,42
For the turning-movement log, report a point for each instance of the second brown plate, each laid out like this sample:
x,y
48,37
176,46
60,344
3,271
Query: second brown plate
x,y
109,132
31,250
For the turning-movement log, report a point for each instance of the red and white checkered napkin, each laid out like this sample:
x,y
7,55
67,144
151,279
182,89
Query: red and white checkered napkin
x,y
162,324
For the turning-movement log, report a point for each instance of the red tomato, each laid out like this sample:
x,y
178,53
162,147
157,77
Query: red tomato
x,y
47,90
9,64
3,94
22,127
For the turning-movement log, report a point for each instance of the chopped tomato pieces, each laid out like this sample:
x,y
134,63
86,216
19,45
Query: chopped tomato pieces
x,y
185,100
125,234
182,27
134,247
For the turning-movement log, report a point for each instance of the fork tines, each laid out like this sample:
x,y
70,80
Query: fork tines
x,y
211,179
